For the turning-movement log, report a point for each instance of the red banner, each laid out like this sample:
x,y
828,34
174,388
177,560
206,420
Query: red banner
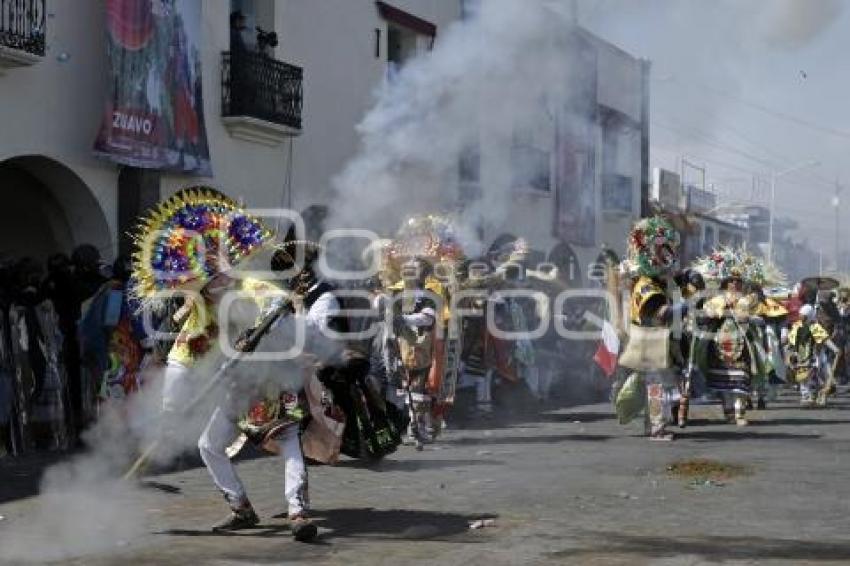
x,y
154,115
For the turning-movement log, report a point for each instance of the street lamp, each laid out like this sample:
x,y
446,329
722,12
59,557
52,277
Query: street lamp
x,y
730,206
836,204
773,177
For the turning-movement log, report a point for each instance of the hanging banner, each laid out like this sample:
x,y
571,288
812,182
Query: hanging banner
x,y
154,116
575,182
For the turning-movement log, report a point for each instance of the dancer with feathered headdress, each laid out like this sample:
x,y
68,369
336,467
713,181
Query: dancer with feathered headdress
x,y
761,275
653,257
194,244
728,347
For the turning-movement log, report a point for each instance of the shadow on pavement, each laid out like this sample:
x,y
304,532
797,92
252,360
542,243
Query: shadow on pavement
x,y
583,418
160,486
708,548
514,406
527,439
712,435
398,524
261,531
413,465
21,477
802,421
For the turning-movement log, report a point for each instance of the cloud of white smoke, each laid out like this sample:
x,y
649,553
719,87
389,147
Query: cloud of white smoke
x,y
85,507
794,23
502,74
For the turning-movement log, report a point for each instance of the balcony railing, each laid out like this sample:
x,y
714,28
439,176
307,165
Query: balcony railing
x,y
257,86
22,25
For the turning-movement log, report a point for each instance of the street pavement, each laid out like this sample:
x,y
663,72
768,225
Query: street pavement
x,y
566,486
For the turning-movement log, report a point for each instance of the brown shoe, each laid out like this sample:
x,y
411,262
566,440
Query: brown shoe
x,y
303,529
661,434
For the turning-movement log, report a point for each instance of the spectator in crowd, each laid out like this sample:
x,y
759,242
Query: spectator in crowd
x,y
37,347
87,279
87,272
111,339
59,287
7,366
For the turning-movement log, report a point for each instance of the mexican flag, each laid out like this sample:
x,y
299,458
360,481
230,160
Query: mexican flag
x,y
608,350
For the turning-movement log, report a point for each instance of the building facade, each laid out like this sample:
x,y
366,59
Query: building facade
x,y
695,212
282,124
55,79
580,176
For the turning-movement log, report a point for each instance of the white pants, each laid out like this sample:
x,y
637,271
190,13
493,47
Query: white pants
x,y
176,387
220,433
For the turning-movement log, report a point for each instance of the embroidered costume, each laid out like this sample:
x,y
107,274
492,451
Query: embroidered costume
x,y
653,248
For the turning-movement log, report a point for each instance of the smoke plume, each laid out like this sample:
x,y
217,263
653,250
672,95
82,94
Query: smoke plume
x,y
794,23
502,74
84,506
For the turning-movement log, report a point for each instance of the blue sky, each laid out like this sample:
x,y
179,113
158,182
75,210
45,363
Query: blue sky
x,y
744,87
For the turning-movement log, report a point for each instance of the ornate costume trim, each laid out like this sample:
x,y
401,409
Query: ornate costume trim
x,y
188,239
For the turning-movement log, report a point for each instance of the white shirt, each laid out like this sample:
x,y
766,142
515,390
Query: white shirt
x,y
319,315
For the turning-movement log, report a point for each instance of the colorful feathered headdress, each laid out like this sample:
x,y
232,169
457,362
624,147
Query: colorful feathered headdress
x,y
762,273
428,236
189,238
724,264
653,248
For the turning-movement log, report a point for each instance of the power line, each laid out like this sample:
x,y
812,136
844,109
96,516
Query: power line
x,y
761,108
746,139
709,140
781,157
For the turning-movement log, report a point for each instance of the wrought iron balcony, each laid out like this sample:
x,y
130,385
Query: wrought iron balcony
x,y
22,25
254,85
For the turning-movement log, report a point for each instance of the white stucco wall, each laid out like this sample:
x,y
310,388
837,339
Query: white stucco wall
x,y
53,108
532,214
334,41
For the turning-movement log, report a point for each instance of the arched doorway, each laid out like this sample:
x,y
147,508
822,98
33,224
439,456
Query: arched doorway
x,y
47,209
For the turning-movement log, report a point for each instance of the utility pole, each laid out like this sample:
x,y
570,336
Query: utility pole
x,y
645,180
772,215
685,186
836,203
574,11
773,176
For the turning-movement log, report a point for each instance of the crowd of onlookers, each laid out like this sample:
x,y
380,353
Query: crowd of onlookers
x,y
44,400
70,339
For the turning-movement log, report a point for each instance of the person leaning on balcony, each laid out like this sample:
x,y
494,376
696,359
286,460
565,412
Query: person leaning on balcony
x,y
237,26
241,82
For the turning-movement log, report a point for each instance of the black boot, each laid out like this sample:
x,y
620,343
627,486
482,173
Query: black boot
x,y
242,517
303,529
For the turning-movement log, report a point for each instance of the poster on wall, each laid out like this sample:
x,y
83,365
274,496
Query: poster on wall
x,y
575,182
154,115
